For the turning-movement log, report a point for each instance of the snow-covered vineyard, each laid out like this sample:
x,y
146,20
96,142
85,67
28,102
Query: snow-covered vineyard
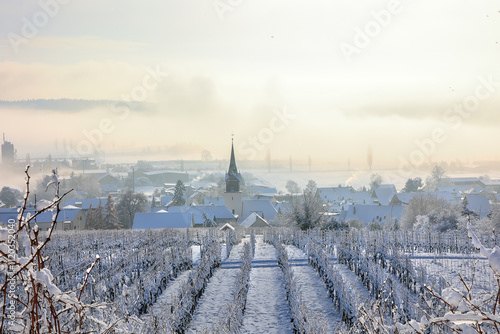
x,y
262,281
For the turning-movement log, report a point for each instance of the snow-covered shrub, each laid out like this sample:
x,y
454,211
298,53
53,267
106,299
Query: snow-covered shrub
x,y
465,311
252,242
30,301
303,320
177,318
342,296
231,317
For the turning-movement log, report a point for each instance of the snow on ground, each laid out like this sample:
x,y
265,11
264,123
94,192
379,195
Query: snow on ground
x,y
448,267
165,299
195,249
266,310
223,251
218,292
313,289
353,283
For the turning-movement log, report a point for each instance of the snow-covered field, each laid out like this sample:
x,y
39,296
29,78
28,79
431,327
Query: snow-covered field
x,y
166,281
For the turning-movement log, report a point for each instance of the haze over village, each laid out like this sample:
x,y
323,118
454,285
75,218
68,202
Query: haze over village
x,y
361,99
201,193
231,166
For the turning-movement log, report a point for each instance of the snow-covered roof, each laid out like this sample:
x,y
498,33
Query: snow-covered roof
x,y
360,197
385,194
87,202
7,214
226,227
334,194
166,199
405,198
219,200
477,191
373,213
491,182
166,172
109,188
261,189
283,207
108,176
254,220
479,204
211,211
459,180
161,220
454,189
71,207
263,207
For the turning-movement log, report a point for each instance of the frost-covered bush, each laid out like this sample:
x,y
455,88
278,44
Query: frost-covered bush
x,y
30,302
176,318
231,316
343,297
303,320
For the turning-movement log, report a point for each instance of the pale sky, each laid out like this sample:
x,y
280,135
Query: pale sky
x,y
321,78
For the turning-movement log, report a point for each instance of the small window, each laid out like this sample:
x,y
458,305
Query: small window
x,y
233,211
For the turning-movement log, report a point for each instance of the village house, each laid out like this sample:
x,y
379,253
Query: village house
x,y
253,221
383,214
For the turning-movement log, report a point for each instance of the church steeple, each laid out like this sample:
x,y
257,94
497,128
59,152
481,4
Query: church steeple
x,y
232,175
232,164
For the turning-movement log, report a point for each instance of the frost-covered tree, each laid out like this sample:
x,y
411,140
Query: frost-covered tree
x,y
207,222
178,199
375,226
129,203
96,218
9,196
111,215
31,301
307,210
439,214
412,185
355,223
432,181
311,187
292,187
375,181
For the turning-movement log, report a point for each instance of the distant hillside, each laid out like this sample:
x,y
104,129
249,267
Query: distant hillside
x,y
68,104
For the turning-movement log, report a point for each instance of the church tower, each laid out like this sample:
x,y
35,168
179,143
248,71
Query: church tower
x,y
232,196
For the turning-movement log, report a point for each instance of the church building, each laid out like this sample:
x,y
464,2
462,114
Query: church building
x,y
233,199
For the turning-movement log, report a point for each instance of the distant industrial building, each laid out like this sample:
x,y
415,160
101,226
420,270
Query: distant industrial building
x,y
8,153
